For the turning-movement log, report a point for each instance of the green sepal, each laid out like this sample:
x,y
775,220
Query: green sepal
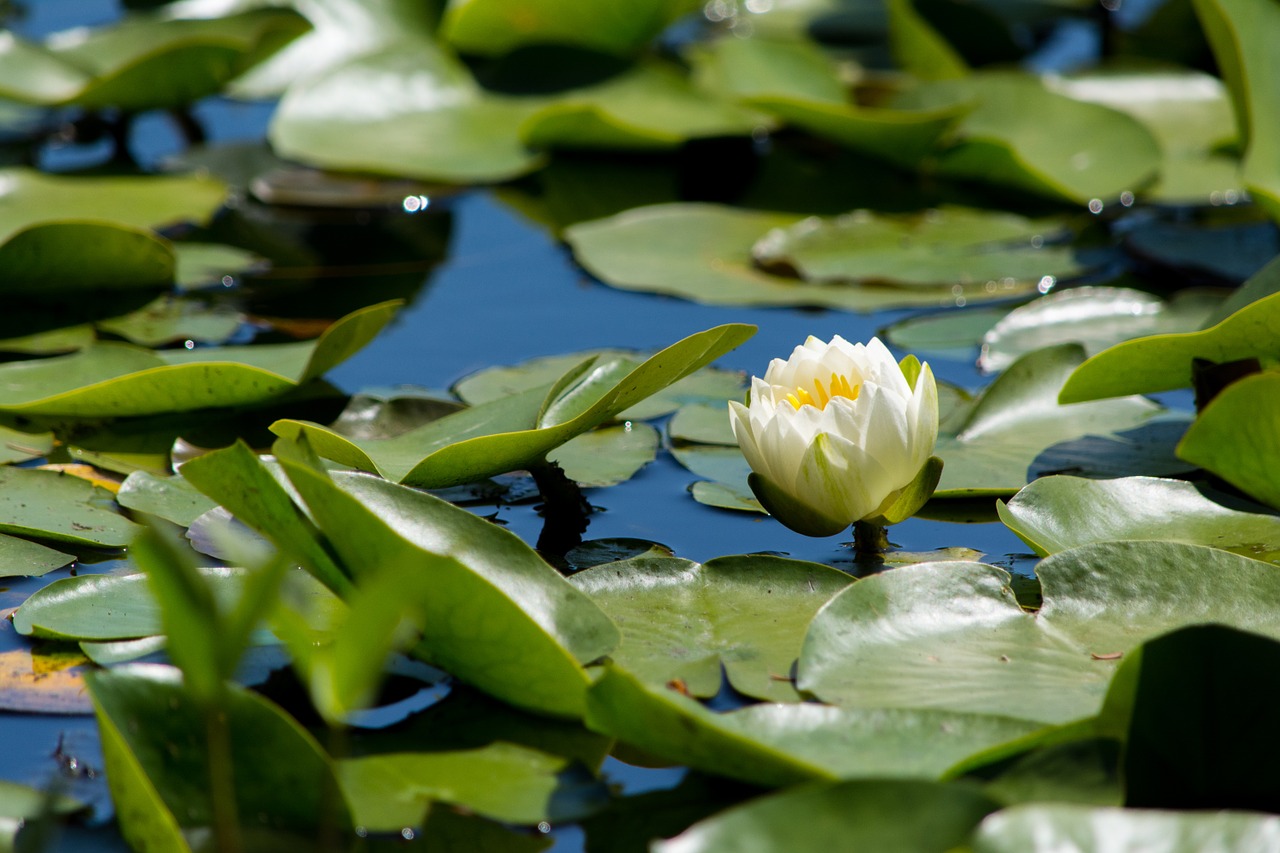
x,y
910,367
796,515
915,495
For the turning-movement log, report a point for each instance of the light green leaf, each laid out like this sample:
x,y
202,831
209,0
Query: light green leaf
x,y
20,558
1057,513
409,109
919,48
171,320
607,456
778,744
884,814
703,252
61,508
1236,438
171,498
501,781
684,621
952,635
947,247
1163,362
493,27
1045,827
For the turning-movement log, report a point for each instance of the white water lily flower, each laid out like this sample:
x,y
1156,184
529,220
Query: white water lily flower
x,y
837,432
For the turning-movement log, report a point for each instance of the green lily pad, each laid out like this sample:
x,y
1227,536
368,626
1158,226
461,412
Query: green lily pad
x,y
706,423
989,448
493,27
793,80
884,814
1024,136
116,379
20,558
155,745
1057,513
409,109
1188,112
682,621
1045,827
169,320
107,607
708,383
779,744
18,445
1237,30
948,334
1235,437
51,258
649,106
171,498
518,431
1095,317
501,781
702,252
1163,362
946,247
919,48
607,456
952,635
61,508
143,62
201,265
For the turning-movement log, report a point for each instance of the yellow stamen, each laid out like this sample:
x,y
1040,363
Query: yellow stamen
x,y
838,386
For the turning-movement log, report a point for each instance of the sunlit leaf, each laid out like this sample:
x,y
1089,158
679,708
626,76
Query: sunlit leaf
x,y
703,252
1235,437
61,508
607,456
170,498
169,320
1163,362
1045,827
682,621
1057,513
490,27
502,781
952,635
21,558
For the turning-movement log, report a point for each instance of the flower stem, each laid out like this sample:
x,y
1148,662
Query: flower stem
x,y
869,539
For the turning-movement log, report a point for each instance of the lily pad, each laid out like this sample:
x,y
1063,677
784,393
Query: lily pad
x,y
492,27
409,109
1163,362
681,621
702,252
779,744
61,508
952,635
1045,827
501,781
171,498
1057,513
143,62
945,247
1237,32
607,456
170,320
989,449
21,558
1022,135
947,334
1236,439
516,432
116,379
1095,317
884,814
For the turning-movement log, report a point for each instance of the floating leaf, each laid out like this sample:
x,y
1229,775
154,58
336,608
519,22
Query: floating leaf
x,y
156,749
703,252
492,27
20,558
501,781
683,621
1237,31
1095,317
952,635
519,431
1057,513
607,456
171,320
62,508
778,744
1046,827
114,379
648,106
1163,362
1024,136
945,247
884,814
948,334
171,498
1235,437
1017,418
409,109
